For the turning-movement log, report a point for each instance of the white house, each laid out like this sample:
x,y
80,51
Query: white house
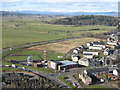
x,y
89,56
112,43
89,52
89,44
84,62
75,51
13,65
103,46
75,58
95,48
116,72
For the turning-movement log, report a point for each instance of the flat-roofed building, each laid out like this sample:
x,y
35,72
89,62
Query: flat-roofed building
x,y
66,64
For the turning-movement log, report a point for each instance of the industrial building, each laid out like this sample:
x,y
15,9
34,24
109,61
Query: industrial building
x,y
66,64
62,65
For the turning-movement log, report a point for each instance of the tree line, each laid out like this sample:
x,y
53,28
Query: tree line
x,y
87,20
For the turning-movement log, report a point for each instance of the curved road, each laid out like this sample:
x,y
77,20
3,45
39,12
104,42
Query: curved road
x,y
57,81
39,43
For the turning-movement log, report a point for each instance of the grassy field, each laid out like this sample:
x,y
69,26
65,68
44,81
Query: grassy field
x,y
45,70
37,55
18,30
53,50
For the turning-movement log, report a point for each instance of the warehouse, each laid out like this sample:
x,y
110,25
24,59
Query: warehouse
x,y
66,64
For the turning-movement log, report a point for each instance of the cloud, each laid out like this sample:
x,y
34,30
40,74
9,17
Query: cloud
x,y
60,7
59,1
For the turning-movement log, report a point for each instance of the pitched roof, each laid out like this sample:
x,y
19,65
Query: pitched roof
x,y
97,70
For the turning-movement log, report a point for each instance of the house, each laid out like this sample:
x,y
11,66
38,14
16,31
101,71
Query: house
x,y
84,62
97,45
85,78
90,52
75,58
112,43
116,72
75,51
89,56
66,64
107,51
95,48
98,70
89,44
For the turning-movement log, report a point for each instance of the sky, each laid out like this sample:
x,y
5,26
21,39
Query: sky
x,y
60,5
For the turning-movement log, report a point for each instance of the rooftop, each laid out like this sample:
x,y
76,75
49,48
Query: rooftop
x,y
67,62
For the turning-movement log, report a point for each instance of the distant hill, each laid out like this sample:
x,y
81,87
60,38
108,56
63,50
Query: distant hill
x,y
87,20
59,13
4,13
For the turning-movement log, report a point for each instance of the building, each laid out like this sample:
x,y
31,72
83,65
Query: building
x,y
89,44
75,51
85,78
89,52
103,46
66,64
95,48
112,43
75,58
84,62
116,72
107,51
89,56
54,64
98,70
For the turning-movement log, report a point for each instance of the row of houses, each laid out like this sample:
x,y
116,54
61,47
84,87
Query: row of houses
x,y
91,76
92,50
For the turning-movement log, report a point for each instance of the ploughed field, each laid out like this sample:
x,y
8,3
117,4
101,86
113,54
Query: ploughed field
x,y
19,30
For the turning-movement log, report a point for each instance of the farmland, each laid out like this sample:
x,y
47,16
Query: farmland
x,y
53,50
19,30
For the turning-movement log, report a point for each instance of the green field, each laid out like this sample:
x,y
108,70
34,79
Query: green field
x,y
19,30
37,55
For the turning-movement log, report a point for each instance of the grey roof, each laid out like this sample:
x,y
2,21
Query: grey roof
x,y
118,70
97,70
57,62
67,62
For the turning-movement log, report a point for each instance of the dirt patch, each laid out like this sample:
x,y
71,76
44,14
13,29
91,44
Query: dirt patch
x,y
63,47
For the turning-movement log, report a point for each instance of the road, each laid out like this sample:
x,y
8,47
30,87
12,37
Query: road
x,y
39,43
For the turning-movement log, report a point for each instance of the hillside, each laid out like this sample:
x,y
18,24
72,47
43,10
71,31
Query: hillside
x,y
87,20
5,13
